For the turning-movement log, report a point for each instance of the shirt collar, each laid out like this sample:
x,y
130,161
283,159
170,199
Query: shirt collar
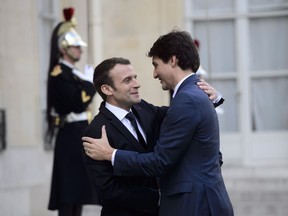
x,y
66,63
118,112
179,83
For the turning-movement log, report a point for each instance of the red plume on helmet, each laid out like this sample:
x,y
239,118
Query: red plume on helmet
x,y
197,43
68,13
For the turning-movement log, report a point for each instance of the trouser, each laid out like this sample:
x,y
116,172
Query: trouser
x,y
70,210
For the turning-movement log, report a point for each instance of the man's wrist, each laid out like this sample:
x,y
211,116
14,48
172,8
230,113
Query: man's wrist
x,y
218,97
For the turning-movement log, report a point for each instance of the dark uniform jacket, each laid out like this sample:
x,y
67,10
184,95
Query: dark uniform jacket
x,y
70,182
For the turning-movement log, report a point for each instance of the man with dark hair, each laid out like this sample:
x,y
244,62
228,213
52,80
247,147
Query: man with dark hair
x,y
186,156
116,82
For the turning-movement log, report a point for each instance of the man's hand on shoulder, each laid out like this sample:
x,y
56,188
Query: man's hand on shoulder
x,y
98,149
212,93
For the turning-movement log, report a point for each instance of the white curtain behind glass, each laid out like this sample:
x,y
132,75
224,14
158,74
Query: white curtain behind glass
x,y
270,104
217,45
269,55
228,111
217,56
269,43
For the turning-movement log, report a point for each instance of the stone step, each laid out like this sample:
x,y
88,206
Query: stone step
x,y
257,191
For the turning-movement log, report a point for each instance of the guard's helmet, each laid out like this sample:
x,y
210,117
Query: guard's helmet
x,y
67,35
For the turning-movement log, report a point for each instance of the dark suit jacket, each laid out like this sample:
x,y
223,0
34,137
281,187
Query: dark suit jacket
x,y
186,157
133,195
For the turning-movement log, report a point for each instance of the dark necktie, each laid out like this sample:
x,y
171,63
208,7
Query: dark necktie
x,y
130,116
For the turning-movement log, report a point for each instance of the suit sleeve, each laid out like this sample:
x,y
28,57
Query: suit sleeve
x,y
114,190
177,129
221,101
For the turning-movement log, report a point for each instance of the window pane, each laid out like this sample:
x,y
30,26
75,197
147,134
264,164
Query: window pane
x,y
267,3
269,43
270,112
227,5
228,111
217,45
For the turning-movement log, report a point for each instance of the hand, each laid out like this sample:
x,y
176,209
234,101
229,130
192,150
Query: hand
x,y
89,71
208,89
98,149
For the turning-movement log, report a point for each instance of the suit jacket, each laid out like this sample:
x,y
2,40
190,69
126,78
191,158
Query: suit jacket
x,y
132,195
186,157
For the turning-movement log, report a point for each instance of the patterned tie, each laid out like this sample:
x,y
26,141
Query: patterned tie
x,y
130,116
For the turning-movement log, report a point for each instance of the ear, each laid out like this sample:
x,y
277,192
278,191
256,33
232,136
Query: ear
x,y
62,50
106,89
174,60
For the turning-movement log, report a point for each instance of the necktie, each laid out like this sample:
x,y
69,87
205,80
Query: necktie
x,y
130,116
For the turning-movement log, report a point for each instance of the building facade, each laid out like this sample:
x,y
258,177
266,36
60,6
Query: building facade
x,y
243,48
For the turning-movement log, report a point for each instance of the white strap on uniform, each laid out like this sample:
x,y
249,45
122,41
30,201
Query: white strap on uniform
x,y
73,117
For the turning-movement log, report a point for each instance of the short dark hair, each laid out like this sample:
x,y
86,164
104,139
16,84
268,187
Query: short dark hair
x,y
102,73
180,44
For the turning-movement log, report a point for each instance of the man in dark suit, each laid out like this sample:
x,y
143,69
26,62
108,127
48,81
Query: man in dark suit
x,y
115,80
186,156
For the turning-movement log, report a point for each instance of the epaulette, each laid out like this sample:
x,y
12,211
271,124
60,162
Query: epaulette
x,y
56,71
85,97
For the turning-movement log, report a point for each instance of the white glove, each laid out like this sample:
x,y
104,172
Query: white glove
x,y
89,71
87,75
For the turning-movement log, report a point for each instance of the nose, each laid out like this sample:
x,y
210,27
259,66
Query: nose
x,y
155,75
136,84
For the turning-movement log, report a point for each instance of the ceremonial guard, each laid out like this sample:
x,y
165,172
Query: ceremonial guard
x,y
69,95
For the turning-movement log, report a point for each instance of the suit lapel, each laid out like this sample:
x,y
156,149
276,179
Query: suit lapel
x,y
120,127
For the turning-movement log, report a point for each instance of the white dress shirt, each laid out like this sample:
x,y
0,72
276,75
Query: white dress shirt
x,y
120,114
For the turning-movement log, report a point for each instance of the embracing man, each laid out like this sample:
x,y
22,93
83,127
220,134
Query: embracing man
x,y
186,154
